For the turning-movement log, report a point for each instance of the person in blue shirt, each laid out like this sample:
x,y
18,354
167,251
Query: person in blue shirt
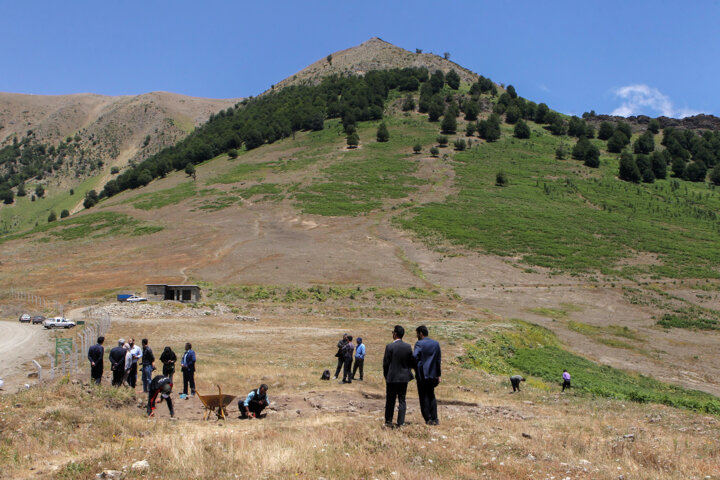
x,y
427,365
255,403
359,359
188,370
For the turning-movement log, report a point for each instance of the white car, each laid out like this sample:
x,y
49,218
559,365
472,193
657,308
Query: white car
x,y
58,322
135,298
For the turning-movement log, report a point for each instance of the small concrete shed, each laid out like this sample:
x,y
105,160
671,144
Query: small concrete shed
x,y
181,293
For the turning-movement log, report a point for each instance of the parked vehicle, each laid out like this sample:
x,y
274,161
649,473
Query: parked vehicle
x,y
122,297
135,298
37,319
58,322
25,318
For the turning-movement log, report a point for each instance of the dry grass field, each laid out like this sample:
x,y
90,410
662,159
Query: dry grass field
x,y
318,429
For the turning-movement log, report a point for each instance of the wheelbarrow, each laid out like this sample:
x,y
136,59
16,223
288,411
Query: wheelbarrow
x,y
216,404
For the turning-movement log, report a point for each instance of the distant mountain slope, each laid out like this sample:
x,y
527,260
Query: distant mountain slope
x,y
375,54
117,125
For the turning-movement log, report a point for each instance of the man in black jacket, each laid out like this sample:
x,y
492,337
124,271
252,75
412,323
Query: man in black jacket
x,y
347,354
95,356
397,365
117,363
341,360
159,386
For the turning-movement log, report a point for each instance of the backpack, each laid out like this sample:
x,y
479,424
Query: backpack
x,y
325,375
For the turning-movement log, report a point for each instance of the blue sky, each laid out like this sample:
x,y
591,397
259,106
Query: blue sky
x,y
624,57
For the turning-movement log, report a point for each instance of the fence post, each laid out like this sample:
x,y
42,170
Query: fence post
x,y
52,370
39,367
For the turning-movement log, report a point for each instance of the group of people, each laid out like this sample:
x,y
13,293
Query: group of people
x,y
345,358
124,360
516,379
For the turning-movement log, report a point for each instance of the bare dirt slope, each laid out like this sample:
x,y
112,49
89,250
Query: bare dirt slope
x,y
374,54
20,343
118,123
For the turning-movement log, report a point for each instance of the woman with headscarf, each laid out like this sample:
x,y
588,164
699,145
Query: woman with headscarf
x,y
168,359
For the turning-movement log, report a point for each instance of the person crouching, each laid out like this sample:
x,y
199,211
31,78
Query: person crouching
x,y
160,386
255,403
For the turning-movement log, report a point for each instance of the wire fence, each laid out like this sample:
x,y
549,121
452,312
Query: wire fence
x,y
71,358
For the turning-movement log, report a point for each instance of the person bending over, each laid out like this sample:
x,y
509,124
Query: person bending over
x,y
160,386
255,403
515,381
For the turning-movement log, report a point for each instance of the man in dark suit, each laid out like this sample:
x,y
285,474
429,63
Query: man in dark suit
x,y
397,369
95,356
427,361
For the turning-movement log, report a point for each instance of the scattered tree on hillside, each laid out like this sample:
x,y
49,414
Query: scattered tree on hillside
x,y
91,199
329,59
541,112
654,126
65,213
489,129
437,108
114,170
434,151
501,179
715,175
605,131
417,148
453,79
658,163
39,190
645,143
460,144
7,195
190,171
52,217
471,110
408,104
442,140
511,91
512,114
695,171
560,153
522,130
21,190
353,140
629,170
232,153
624,128
382,133
580,148
617,142
418,50
449,124
470,129
557,124
437,81
446,55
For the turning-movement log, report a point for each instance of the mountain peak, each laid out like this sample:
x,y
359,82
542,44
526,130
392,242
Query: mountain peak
x,y
373,54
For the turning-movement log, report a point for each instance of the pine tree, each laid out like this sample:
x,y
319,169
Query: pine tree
x,y
449,124
628,168
408,104
453,79
617,142
522,130
382,133
606,131
52,217
417,148
353,140
434,151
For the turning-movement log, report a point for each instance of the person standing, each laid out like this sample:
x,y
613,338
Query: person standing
x,y
340,345
359,359
347,356
117,363
515,381
95,356
188,369
397,366
159,386
566,380
148,364
135,355
427,360
255,403
128,365
168,359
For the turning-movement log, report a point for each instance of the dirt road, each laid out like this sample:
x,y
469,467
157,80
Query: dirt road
x,y
20,343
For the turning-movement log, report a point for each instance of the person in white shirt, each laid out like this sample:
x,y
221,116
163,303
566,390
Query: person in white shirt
x,y
135,356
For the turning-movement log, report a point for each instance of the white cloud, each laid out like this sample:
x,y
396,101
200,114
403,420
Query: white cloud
x,y
642,99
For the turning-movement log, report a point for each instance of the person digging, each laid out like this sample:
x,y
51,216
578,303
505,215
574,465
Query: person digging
x,y
160,386
254,404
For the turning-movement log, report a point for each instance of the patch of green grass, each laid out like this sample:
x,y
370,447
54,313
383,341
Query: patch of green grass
x,y
163,198
94,225
242,172
533,350
219,203
688,319
268,189
316,293
567,217
548,362
556,313
364,178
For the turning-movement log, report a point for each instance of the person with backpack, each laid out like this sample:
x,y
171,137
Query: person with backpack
x,y
255,403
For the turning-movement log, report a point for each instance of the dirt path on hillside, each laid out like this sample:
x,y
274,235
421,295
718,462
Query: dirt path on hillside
x,y
20,343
